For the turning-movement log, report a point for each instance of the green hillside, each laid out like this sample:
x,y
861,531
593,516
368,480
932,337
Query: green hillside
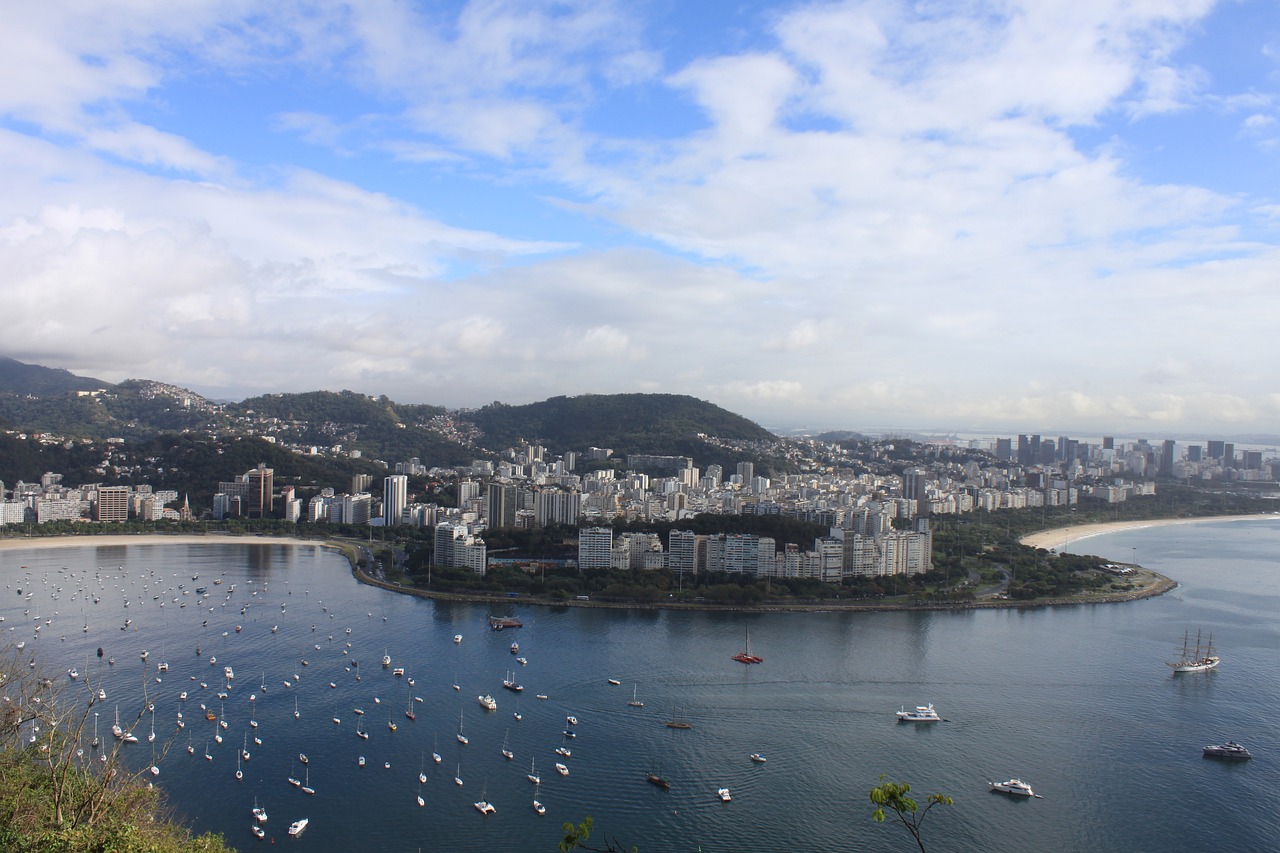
x,y
17,377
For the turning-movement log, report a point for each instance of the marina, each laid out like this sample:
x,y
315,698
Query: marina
x,y
808,701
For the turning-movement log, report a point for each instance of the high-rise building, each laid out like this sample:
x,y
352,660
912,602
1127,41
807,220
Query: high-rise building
x,y
502,501
1108,442
1228,455
746,472
1216,448
914,488
395,497
1004,449
361,483
1195,452
113,503
1166,458
595,547
261,486
682,552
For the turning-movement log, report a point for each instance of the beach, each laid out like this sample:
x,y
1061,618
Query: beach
x,y
119,539
1062,537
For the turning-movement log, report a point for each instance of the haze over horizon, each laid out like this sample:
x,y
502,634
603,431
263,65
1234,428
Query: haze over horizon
x,y
998,215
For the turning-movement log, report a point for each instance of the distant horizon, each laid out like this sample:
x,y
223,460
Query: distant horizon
x,y
970,432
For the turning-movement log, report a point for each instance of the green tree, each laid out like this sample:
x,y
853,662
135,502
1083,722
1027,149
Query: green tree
x,y
575,838
893,797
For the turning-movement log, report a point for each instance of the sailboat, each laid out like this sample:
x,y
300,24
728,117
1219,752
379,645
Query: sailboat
x,y
361,733
745,656
1199,660
408,711
532,775
483,805
635,703
506,753
239,772
516,713
306,786
457,775
435,749
462,739
151,738
678,721
422,780
296,714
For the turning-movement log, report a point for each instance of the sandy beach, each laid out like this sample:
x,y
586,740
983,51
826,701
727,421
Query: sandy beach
x,y
1062,537
116,540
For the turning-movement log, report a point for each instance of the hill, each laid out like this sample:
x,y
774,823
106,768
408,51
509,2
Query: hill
x,y
637,423
17,377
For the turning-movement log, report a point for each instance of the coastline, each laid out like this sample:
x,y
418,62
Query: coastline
x,y
108,540
1060,537
1152,583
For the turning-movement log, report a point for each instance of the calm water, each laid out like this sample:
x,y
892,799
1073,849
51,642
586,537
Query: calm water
x,y
1076,701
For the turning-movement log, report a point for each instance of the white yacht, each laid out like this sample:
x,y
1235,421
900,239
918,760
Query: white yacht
x,y
921,714
487,702
723,794
1013,787
295,828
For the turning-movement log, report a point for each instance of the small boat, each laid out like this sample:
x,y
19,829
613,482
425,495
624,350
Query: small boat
x,y
510,683
562,769
296,828
659,780
539,807
360,761
259,813
569,733
258,831
758,758
564,750
498,623
487,702
1230,751
462,739
302,756
457,775
306,785
457,638
571,720
386,660
532,775
542,696
515,648
723,794
921,714
613,681
635,703
1201,659
1013,787
398,672
678,721
507,753
484,807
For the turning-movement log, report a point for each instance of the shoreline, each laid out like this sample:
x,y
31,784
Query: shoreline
x,y
1154,584
1060,537
113,540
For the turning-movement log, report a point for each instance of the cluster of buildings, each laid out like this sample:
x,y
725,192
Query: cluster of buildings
x,y
875,500
49,500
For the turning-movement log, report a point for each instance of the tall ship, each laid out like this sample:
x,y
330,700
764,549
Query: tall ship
x,y
1198,658
498,623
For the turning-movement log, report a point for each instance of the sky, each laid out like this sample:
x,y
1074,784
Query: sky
x,y
1046,215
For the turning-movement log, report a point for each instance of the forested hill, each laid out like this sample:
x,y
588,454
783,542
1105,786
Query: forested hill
x,y
19,378
667,424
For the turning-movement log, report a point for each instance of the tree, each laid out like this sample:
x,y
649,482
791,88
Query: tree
x,y
575,838
893,796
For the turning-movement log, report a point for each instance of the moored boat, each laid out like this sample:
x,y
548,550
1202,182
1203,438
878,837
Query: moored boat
x,y
1230,751
296,828
921,714
1014,787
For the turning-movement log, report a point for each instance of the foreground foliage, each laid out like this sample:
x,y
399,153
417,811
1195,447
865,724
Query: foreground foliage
x,y
60,794
893,797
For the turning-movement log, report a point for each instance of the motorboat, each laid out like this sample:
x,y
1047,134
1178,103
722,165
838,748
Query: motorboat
x,y
758,758
457,638
571,720
296,828
921,714
1230,751
487,702
562,769
723,794
1013,787
564,750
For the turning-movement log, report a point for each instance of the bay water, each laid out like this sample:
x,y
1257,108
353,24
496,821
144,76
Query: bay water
x,y
1077,701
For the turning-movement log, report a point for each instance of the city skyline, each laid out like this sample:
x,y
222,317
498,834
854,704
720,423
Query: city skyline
x,y
825,215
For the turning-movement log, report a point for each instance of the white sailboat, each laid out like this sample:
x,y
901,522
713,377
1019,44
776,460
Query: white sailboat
x,y
506,753
532,775
635,703
462,739
1201,659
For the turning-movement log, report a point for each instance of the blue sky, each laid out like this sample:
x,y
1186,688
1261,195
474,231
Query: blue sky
x,y
1022,216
